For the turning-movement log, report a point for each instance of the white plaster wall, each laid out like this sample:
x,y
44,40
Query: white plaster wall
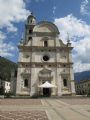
x,y
7,86
38,41
22,57
38,56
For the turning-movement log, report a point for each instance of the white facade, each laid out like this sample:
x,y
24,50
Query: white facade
x,y
44,57
5,85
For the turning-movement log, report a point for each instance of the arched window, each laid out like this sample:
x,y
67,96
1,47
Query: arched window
x,y
45,43
26,83
30,31
65,82
31,20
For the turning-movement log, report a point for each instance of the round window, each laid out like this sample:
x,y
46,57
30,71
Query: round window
x,y
45,57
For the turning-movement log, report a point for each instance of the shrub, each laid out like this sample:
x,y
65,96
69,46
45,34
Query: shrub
x,y
1,90
8,94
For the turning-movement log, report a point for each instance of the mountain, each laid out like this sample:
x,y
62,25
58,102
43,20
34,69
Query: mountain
x,y
6,66
82,75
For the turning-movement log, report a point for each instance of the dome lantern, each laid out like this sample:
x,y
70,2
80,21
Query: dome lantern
x,y
31,20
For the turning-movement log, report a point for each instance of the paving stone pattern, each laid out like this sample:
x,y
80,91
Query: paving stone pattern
x,y
23,115
45,109
20,102
78,101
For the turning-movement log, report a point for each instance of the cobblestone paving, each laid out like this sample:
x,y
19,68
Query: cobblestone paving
x,y
20,102
78,101
23,115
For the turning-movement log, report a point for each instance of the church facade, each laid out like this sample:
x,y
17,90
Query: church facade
x,y
43,57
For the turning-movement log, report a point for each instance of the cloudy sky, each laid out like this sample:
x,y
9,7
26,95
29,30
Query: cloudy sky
x,y
72,16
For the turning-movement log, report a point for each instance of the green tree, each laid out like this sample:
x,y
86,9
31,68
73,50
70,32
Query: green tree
x,y
1,90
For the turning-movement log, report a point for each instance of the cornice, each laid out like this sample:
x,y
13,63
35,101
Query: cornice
x,y
24,47
39,64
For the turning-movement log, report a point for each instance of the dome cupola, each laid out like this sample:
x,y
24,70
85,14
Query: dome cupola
x,y
31,20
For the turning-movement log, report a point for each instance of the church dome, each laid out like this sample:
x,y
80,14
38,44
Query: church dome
x,y
45,26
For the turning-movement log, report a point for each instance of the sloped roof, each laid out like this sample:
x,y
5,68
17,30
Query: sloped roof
x,y
47,85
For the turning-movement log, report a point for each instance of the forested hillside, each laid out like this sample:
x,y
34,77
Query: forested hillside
x,y
82,75
6,66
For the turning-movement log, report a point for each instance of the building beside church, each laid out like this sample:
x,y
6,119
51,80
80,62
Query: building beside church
x,y
5,85
45,64
83,87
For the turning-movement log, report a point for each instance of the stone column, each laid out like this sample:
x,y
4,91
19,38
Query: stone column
x,y
19,82
72,81
59,83
32,91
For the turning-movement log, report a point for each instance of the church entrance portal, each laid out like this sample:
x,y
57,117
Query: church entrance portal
x,y
47,92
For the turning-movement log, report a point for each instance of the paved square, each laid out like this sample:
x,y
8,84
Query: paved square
x,y
77,101
45,109
20,102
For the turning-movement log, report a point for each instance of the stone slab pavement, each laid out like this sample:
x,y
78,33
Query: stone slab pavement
x,y
45,109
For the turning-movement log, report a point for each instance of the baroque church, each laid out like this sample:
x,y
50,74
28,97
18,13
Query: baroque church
x,y
45,66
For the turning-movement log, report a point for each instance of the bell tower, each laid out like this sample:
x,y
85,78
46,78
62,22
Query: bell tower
x,y
30,23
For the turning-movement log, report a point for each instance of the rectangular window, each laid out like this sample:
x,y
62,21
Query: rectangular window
x,y
26,83
65,82
29,38
45,43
